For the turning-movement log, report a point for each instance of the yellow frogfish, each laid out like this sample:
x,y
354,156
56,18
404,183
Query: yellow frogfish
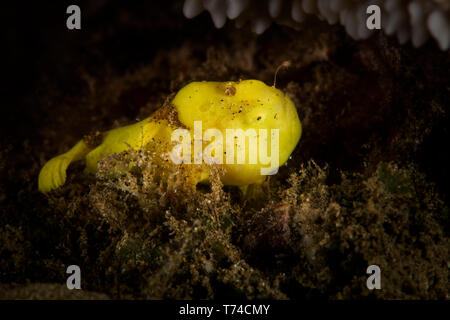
x,y
248,127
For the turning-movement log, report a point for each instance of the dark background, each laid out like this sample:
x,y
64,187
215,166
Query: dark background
x,y
392,98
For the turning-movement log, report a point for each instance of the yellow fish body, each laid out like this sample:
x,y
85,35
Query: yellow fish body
x,y
248,106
